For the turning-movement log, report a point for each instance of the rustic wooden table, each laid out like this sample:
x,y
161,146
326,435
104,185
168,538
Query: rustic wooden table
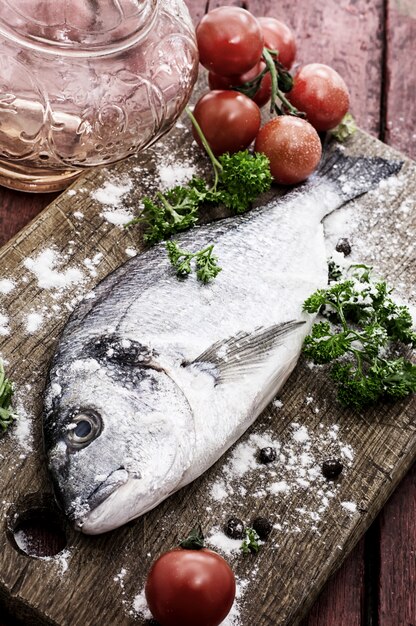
x,y
372,43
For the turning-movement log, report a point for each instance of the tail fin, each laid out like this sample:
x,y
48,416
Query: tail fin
x,y
354,176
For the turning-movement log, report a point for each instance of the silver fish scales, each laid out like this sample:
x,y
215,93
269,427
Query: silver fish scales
x,y
155,378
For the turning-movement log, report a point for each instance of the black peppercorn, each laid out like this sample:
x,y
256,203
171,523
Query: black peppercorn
x,y
332,468
267,455
235,528
343,246
262,526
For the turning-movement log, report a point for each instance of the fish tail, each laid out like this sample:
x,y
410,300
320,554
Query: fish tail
x,y
354,176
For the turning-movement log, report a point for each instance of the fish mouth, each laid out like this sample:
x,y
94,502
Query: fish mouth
x,y
116,479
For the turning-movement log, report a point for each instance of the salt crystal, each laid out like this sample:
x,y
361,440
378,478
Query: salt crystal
x,y
131,252
217,539
301,435
71,192
219,491
140,605
120,217
111,194
171,175
347,451
279,487
44,268
33,322
6,285
350,506
22,428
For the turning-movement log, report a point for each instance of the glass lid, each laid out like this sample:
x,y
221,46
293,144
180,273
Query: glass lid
x,y
77,27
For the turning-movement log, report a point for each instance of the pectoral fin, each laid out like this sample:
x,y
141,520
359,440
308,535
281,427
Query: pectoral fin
x,y
237,356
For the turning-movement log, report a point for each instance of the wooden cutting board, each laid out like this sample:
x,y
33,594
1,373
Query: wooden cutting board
x,y
98,580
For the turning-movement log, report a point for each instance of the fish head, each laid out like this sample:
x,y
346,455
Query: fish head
x,y
118,438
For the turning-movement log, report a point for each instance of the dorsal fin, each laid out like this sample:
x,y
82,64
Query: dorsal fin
x,y
236,356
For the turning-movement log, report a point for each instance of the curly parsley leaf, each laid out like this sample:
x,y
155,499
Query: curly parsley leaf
x,y
206,263
7,415
366,321
242,178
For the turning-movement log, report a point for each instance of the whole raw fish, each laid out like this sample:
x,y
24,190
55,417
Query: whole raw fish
x,y
155,378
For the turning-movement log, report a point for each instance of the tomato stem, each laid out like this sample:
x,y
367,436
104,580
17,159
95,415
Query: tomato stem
x,y
195,541
215,163
276,92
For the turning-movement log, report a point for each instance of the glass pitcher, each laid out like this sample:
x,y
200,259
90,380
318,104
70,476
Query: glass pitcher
x,y
85,83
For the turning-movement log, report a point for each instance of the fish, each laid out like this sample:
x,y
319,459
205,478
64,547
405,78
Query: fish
x,y
154,377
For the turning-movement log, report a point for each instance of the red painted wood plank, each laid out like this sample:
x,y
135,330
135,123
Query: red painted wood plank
x,y
397,522
17,209
342,599
397,601
400,97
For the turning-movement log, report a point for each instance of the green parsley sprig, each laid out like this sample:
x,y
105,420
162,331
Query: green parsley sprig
x,y
7,416
250,543
206,263
364,322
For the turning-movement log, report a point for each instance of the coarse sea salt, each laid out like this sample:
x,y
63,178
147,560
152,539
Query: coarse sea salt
x,y
140,606
219,540
22,427
6,285
45,267
176,174
111,195
349,506
118,217
33,322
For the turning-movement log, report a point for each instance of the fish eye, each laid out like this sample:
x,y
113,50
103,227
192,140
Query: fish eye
x,y
84,427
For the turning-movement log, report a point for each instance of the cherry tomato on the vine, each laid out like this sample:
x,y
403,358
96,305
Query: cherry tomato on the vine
x,y
321,93
292,146
230,41
229,120
261,96
189,588
278,36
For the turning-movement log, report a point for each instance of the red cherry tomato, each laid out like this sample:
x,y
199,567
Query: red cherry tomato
x,y
293,147
278,36
322,94
262,95
190,588
230,41
229,120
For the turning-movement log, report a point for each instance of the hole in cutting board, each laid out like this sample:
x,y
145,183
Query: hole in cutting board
x,y
36,527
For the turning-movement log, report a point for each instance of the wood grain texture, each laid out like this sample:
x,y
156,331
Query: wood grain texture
x,y
293,568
